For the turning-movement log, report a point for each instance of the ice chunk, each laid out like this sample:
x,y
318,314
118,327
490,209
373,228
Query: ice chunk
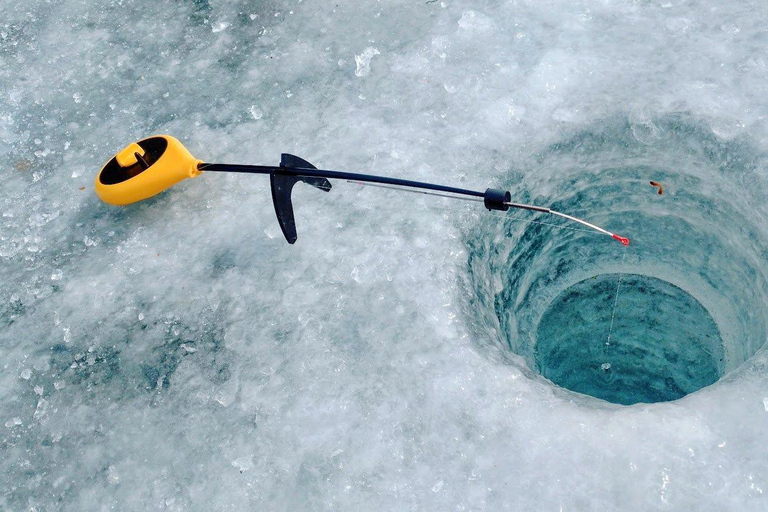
x,y
219,26
41,409
113,477
473,21
363,61
226,393
243,463
13,422
256,112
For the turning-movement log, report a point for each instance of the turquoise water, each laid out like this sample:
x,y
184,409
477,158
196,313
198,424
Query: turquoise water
x,y
662,346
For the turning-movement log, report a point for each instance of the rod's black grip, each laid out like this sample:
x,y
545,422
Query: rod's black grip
x,y
494,199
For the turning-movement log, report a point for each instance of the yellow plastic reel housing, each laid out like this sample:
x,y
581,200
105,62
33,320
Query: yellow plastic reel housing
x,y
144,169
128,156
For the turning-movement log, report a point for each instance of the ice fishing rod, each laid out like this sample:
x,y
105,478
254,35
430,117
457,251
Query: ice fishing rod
x,y
147,167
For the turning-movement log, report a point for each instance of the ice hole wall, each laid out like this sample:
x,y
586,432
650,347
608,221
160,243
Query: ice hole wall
x,y
691,305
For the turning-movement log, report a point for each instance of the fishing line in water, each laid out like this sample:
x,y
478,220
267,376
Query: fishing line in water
x,y
615,301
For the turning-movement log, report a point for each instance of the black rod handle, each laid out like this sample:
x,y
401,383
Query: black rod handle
x,y
322,173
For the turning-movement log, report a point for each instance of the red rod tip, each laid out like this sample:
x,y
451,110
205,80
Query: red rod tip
x,y
624,241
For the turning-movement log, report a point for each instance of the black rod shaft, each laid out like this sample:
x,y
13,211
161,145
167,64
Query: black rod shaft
x,y
300,171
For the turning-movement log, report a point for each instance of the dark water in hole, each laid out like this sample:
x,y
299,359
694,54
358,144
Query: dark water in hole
x,y
664,344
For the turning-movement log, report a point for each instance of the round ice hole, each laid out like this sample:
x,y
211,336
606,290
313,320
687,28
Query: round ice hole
x,y
654,343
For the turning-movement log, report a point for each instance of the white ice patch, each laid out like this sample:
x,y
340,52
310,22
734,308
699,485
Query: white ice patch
x,y
363,61
219,26
473,21
643,127
227,392
243,463
255,112
113,477
41,409
13,422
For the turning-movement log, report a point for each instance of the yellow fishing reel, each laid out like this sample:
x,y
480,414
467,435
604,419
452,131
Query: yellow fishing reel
x,y
144,169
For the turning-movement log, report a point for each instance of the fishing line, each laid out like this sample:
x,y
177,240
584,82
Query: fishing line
x,y
616,300
519,219
502,215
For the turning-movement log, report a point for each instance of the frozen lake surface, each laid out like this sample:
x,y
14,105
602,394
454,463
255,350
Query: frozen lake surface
x,y
177,354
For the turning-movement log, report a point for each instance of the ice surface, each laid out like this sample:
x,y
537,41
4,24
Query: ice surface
x,y
189,361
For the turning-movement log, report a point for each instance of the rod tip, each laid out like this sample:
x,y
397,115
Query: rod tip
x,y
624,241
